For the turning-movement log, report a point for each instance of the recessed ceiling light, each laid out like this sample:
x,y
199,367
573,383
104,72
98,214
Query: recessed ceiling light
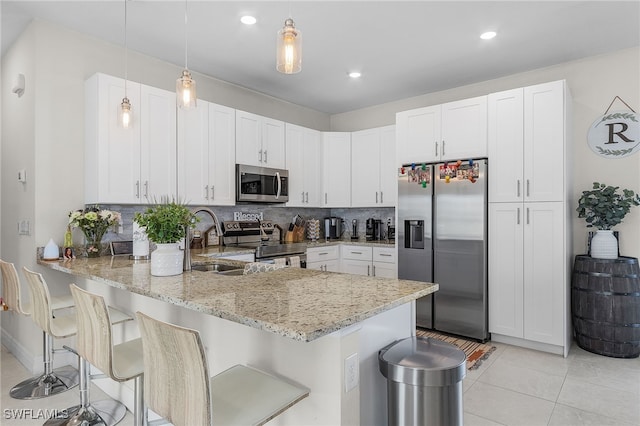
x,y
248,20
488,35
355,74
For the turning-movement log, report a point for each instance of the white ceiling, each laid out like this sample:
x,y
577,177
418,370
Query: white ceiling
x,y
402,48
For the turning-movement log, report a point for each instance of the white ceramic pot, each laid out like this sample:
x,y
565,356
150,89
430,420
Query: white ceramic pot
x,y
604,245
166,260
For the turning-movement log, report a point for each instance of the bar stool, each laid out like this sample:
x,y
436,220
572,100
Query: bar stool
x,y
51,381
60,327
122,362
178,386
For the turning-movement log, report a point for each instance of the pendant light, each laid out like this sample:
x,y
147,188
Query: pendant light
x,y
185,85
289,52
125,116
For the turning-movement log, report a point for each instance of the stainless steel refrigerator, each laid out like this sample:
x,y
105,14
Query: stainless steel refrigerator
x,y
442,238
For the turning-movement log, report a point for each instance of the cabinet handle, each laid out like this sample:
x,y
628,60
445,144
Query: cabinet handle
x,y
381,199
368,270
137,189
260,156
374,270
325,198
527,215
385,254
146,189
436,143
376,197
518,219
322,254
206,192
265,156
356,252
302,196
518,191
212,193
307,197
528,195
443,148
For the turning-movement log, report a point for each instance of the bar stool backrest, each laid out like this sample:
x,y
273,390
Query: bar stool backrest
x,y
94,340
40,301
176,376
11,288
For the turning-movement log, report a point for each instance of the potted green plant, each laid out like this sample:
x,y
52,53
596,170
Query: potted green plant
x,y
166,224
603,207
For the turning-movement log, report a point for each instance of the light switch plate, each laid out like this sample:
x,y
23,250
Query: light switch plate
x,y
351,372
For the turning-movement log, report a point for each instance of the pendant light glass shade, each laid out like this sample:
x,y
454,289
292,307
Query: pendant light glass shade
x,y
186,90
289,53
125,113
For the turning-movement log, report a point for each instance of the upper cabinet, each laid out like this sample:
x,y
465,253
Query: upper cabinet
x,y
455,130
206,155
260,141
373,180
336,169
128,166
527,143
304,154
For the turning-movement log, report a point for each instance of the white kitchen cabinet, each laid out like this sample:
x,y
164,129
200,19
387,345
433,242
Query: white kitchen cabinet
x,y
324,258
260,141
206,155
451,131
527,271
373,173
527,146
370,261
336,169
304,155
134,165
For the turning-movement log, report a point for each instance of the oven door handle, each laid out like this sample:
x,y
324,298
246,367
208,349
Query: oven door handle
x,y
279,185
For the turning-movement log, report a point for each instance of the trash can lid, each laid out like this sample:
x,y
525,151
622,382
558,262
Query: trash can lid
x,y
423,361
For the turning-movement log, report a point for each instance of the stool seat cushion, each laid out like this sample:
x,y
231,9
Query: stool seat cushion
x,y
245,396
127,360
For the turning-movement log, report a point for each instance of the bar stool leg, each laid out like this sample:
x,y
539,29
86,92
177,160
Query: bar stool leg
x,y
51,382
105,412
139,409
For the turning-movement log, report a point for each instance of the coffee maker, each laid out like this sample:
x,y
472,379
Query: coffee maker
x,y
374,230
332,228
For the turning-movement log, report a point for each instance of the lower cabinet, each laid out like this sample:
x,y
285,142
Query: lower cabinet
x,y
528,272
324,258
371,261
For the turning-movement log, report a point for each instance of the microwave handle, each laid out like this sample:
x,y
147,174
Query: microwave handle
x,y
279,185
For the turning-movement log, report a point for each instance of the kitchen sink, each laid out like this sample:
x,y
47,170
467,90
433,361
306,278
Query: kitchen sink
x,y
219,268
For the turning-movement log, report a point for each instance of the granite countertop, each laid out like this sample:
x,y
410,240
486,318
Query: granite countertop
x,y
296,303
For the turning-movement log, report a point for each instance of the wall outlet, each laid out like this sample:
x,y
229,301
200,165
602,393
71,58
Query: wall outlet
x,y
351,372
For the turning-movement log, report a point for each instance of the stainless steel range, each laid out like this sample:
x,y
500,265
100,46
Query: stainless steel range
x,y
260,235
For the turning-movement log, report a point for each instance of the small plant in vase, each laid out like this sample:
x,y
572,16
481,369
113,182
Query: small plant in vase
x,y
166,223
603,207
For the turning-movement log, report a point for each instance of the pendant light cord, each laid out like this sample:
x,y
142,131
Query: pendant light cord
x,y
126,64
186,39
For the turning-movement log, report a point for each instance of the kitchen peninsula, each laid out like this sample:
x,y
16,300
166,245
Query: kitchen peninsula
x,y
298,323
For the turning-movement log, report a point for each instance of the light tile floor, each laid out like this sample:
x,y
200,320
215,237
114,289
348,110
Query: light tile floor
x,y
515,386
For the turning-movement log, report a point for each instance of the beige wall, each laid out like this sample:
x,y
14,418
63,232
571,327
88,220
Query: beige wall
x,y
593,82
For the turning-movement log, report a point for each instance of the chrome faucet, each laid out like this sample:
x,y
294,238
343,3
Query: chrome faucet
x,y
186,262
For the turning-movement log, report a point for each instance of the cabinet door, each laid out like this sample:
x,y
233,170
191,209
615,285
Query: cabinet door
x,y
464,129
248,138
336,189
418,135
544,142
295,165
505,146
112,153
222,162
193,154
388,169
312,161
385,270
544,272
365,168
506,311
356,267
158,137
273,143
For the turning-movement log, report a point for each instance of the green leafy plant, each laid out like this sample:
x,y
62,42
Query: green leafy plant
x,y
604,207
167,221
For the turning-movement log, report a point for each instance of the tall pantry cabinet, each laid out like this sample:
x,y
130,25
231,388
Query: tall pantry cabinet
x,y
529,211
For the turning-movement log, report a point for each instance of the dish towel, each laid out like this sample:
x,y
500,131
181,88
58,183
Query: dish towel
x,y
280,261
294,261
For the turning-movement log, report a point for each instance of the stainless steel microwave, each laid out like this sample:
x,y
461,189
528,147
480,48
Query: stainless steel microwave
x,y
261,184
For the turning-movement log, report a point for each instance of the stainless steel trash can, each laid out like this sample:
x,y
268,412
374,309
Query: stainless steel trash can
x,y
424,381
